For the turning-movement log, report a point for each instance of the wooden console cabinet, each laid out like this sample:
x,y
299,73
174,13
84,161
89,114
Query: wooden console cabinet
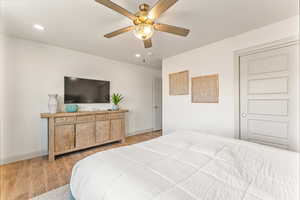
x,y
68,132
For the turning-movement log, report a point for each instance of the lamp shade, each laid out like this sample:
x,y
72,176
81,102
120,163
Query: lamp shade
x,y
143,31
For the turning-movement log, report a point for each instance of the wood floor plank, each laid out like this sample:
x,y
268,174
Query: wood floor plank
x,y
23,180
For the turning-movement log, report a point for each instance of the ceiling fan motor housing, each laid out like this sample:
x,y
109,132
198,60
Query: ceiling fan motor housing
x,y
142,15
144,7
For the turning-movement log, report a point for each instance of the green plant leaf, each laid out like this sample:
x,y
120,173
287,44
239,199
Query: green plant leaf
x,y
116,98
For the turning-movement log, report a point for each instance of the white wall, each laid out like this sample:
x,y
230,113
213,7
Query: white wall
x,y
180,113
33,70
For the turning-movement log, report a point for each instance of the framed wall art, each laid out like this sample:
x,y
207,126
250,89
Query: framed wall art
x,y
205,89
179,83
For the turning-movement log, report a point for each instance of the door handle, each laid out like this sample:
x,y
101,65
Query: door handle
x,y
155,107
244,115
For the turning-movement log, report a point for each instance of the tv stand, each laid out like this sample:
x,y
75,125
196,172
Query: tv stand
x,y
69,132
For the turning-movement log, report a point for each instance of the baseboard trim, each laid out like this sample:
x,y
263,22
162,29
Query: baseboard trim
x,y
23,157
140,132
44,153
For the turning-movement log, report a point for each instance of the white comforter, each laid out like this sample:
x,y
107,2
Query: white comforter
x,y
188,166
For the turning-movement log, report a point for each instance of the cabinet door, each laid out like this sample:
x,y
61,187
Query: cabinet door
x,y
85,134
117,129
64,138
102,131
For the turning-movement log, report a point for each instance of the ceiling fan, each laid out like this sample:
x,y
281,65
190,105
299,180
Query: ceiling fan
x,y
144,20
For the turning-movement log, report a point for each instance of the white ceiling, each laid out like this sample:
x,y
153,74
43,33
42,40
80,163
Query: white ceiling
x,y
81,24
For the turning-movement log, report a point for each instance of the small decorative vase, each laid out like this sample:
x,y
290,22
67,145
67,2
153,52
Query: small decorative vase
x,y
71,108
115,107
52,103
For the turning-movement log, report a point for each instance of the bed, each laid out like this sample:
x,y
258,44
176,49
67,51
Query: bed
x,y
187,165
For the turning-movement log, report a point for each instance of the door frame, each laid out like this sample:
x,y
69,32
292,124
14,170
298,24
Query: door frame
x,y
153,101
249,51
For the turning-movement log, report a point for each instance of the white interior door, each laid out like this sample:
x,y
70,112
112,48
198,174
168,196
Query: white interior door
x,y
269,97
157,104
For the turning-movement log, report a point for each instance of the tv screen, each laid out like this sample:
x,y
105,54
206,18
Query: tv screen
x,y
78,90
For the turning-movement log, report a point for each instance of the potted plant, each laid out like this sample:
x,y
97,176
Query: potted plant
x,y
116,99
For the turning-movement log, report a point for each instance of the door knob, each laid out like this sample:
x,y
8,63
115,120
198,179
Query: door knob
x,y
244,115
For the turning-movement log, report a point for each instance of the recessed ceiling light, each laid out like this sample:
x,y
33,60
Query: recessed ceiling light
x,y
138,55
38,27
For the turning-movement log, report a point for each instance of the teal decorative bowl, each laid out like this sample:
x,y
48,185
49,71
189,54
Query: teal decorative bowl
x,y
71,108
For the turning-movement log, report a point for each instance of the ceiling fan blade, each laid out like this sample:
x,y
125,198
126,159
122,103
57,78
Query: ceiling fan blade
x,y
117,8
148,43
160,7
171,29
118,32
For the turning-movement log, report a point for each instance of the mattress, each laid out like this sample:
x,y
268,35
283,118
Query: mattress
x,y
188,165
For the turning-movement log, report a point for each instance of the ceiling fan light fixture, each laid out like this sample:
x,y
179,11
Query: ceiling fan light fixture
x,y
144,21
143,31
151,16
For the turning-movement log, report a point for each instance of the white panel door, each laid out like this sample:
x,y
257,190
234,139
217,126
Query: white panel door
x,y
269,97
157,104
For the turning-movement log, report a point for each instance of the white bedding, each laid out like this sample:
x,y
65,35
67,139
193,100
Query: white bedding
x,y
188,166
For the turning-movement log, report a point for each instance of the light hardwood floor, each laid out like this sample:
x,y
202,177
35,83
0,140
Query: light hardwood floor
x,y
29,178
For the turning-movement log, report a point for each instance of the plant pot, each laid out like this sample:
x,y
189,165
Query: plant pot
x,y
115,107
71,108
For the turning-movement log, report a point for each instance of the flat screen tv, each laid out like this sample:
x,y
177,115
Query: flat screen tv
x,y
79,90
